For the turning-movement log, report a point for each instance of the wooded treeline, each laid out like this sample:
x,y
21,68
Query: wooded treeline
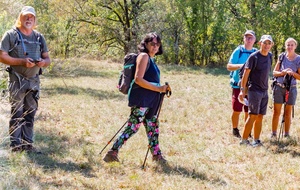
x,y
194,32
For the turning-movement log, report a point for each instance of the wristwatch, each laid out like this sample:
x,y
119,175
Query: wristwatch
x,y
242,88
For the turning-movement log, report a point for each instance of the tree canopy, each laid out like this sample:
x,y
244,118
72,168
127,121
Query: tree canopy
x,y
202,33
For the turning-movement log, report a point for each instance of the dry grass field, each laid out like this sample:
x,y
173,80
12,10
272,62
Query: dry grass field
x,y
80,110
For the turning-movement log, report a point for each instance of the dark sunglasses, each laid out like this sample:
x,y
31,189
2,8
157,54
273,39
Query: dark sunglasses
x,y
154,44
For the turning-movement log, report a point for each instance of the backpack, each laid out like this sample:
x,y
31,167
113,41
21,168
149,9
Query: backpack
x,y
19,39
240,55
126,78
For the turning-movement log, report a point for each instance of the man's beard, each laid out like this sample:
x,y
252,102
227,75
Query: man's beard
x,y
28,25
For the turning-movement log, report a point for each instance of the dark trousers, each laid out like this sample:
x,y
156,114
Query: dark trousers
x,y
24,95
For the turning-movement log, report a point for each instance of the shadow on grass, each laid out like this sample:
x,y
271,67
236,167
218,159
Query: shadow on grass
x,y
56,148
82,72
75,90
182,171
285,146
192,69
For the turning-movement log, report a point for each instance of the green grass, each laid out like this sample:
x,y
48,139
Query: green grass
x,y
81,109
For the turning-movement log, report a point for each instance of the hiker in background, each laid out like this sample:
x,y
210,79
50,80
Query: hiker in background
x,y
144,99
237,59
256,78
287,67
26,52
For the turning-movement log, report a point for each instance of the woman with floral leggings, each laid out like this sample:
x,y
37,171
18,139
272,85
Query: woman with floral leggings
x,y
144,98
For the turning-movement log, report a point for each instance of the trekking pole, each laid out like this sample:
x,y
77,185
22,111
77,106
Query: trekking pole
x,y
282,125
162,95
282,121
113,137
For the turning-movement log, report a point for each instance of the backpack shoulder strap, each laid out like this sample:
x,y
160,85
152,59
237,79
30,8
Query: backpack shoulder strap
x,y
38,38
241,51
281,58
17,40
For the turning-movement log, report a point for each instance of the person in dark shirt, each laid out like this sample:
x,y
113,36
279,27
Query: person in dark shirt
x,y
144,98
255,79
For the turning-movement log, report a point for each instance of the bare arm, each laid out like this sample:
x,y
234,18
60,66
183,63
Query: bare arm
x,y
278,73
142,61
296,75
8,60
45,61
244,83
233,67
245,78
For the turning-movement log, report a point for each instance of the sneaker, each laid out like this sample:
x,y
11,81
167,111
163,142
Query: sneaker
x,y
30,149
256,143
245,142
287,136
111,156
273,136
236,132
159,158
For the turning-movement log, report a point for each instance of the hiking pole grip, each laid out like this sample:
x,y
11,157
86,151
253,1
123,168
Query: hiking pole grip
x,y
168,92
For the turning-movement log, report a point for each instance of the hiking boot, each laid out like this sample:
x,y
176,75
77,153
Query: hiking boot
x,y
111,156
159,158
17,148
256,143
30,149
245,142
236,132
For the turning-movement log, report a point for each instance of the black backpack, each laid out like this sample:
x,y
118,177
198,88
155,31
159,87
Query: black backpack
x,y
127,74
126,78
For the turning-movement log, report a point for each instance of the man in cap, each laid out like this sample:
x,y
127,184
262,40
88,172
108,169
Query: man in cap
x,y
256,77
25,51
237,59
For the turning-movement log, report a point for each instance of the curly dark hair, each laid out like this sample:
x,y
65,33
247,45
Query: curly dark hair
x,y
149,38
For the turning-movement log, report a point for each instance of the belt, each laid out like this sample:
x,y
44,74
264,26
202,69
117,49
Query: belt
x,y
283,86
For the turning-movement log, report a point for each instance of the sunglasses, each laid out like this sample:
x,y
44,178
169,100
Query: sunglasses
x,y
267,43
154,44
249,38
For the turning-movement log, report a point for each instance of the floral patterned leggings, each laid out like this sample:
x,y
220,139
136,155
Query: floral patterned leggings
x,y
136,118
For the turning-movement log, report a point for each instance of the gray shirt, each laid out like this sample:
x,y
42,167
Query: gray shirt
x,y
32,47
294,65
